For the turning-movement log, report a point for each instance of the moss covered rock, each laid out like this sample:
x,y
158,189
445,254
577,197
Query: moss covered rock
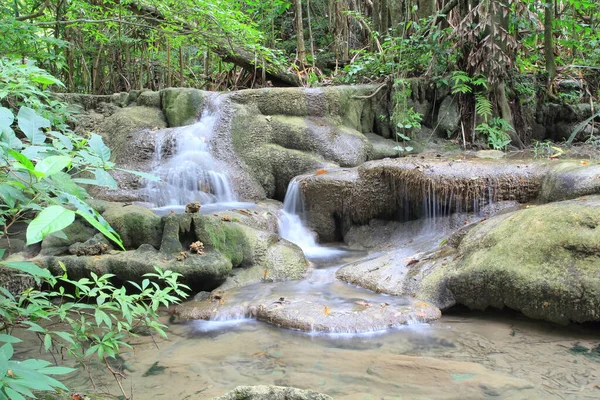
x,y
182,106
135,224
543,261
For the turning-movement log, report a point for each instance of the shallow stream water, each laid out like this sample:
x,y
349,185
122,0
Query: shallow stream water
x,y
465,355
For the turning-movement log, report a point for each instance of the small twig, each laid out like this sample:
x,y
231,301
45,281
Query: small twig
x,y
116,375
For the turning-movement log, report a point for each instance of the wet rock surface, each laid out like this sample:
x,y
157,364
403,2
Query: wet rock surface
x,y
237,247
272,393
549,270
312,313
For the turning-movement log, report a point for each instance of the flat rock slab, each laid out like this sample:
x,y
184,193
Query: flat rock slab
x,y
311,313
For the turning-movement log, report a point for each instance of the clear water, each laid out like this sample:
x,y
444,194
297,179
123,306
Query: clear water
x,y
190,173
291,227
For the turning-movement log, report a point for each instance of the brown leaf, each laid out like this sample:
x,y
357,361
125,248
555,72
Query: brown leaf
x,y
321,172
363,303
326,310
265,274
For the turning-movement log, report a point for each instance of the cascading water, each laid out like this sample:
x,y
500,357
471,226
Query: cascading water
x,y
291,227
191,174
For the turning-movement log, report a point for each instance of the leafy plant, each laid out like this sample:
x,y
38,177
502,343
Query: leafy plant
x,y
404,118
42,170
98,315
496,133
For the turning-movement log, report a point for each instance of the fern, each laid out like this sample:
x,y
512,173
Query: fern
x,y
483,106
461,82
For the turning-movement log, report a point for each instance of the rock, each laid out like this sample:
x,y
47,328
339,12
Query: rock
x,y
192,208
96,245
311,313
118,128
382,148
182,106
550,270
570,179
490,154
200,272
148,98
448,117
410,188
78,232
135,224
272,393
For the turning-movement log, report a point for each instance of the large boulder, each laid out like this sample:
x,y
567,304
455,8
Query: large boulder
x,y
570,179
182,106
549,270
272,393
409,188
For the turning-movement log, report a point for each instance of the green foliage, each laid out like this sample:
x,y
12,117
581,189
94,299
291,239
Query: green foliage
x,y
496,133
408,49
42,168
404,118
99,317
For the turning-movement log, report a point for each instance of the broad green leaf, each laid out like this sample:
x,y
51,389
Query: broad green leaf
x,y
47,342
93,218
28,268
64,183
45,79
6,118
7,351
64,140
57,370
13,394
99,148
8,136
31,123
24,161
144,175
10,194
9,338
53,164
51,219
103,178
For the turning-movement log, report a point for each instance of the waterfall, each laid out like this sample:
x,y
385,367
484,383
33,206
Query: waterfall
x,y
191,173
291,227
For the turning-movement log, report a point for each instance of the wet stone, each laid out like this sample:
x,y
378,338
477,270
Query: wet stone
x,y
311,313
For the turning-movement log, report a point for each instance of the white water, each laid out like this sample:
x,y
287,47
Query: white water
x,y
291,227
191,174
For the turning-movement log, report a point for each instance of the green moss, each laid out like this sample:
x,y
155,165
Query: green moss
x,y
543,261
182,106
225,237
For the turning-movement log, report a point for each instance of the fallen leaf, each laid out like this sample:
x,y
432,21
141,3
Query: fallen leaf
x,y
412,262
584,163
363,303
321,172
222,301
265,274
326,311
384,304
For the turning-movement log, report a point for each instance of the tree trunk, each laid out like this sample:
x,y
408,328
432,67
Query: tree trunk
x,y
300,34
549,43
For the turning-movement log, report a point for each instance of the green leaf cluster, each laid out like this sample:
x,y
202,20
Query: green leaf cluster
x,y
99,318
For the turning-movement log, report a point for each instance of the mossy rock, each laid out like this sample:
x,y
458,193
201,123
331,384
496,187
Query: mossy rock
x,y
182,106
201,272
117,128
568,180
549,270
78,232
135,224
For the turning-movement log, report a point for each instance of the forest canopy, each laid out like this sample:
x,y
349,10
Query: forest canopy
x,y
108,46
